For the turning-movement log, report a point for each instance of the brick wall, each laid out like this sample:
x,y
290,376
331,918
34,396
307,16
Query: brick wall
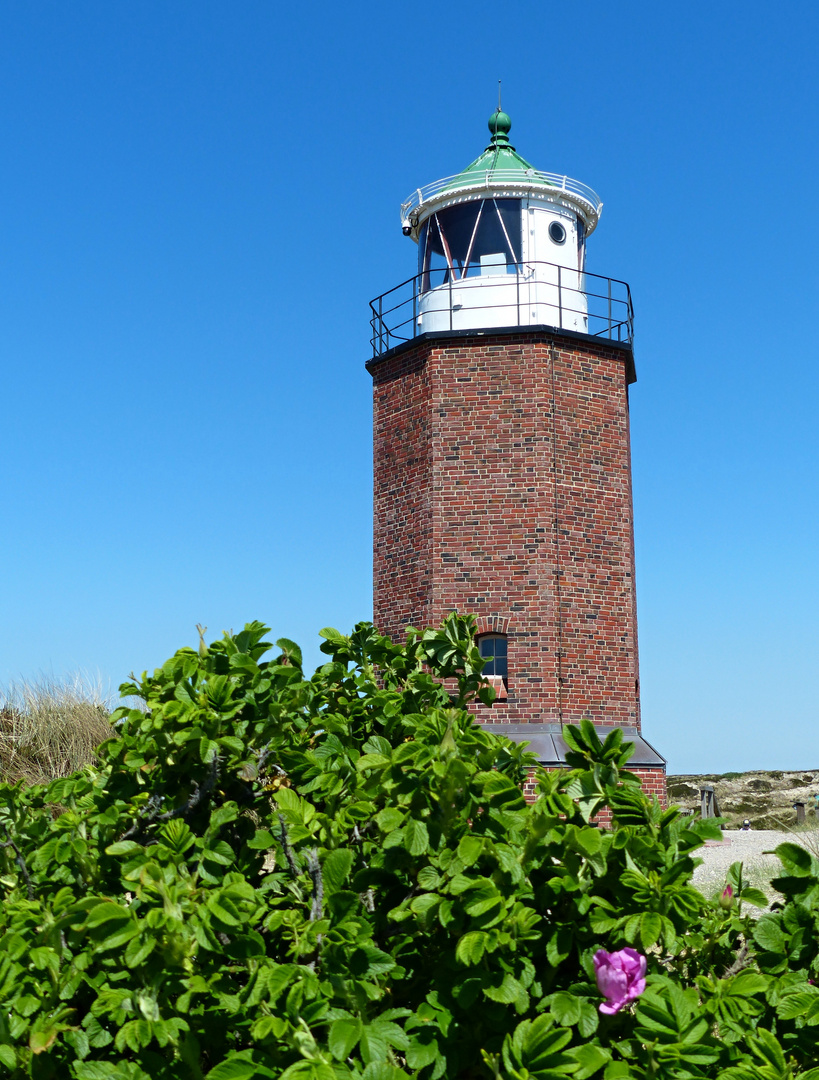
x,y
653,781
503,488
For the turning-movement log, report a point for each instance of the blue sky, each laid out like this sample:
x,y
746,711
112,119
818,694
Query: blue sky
x,y
197,201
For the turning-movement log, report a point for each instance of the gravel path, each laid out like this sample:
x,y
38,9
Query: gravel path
x,y
745,847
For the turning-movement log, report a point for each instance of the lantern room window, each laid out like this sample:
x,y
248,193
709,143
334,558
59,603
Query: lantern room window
x,y
470,239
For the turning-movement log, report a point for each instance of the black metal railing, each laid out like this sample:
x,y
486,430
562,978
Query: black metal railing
x,y
546,292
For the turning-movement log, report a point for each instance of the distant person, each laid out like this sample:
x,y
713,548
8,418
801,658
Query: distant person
x,y
746,825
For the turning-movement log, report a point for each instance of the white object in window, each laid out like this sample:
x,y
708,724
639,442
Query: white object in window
x,y
493,264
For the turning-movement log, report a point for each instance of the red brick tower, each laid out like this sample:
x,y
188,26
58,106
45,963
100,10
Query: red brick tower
x,y
501,446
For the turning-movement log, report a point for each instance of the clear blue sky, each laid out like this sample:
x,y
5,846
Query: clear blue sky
x,y
198,199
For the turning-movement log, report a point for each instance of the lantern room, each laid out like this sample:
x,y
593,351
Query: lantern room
x,y
501,244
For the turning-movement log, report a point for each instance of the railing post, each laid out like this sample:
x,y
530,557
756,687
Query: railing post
x,y
415,285
559,297
450,299
380,324
609,308
517,289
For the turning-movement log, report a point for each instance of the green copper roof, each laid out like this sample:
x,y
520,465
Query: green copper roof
x,y
500,156
499,166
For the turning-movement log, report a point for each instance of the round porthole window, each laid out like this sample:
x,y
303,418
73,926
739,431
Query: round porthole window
x,y
557,232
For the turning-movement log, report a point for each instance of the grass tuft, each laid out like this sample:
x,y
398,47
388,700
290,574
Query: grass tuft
x,y
50,727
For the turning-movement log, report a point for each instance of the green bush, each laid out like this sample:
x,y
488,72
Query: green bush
x,y
338,877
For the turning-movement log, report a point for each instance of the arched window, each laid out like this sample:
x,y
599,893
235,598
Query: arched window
x,y
494,648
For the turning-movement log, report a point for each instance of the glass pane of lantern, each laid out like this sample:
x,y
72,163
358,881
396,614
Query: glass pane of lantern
x,y
435,269
509,211
457,226
422,246
498,232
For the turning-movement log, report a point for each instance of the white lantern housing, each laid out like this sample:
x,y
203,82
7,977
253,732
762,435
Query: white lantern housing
x,y
501,244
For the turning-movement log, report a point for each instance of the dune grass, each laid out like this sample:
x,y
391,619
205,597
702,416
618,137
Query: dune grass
x,y
50,727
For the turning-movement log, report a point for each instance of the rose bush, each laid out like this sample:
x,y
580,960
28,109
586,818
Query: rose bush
x,y
337,877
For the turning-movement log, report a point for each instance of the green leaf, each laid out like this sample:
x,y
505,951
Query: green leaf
x,y
261,840
230,742
469,850
40,1041
106,911
208,749
223,908
421,905
471,947
768,934
795,859
7,1056
382,1070
246,1067
26,1004
377,744
617,1070
565,1008
590,1059
390,818
428,878
651,926
344,1034
423,1050
374,1045
44,959
371,761
336,868
416,837
755,897
766,1047
749,982
559,945
119,937
124,847
589,1019
136,951
507,992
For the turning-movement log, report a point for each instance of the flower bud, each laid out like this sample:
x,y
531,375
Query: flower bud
x,y
726,901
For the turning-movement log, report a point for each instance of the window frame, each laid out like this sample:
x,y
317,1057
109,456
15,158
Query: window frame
x,y
493,658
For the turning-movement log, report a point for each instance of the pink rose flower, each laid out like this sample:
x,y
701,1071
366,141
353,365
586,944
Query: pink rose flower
x,y
621,978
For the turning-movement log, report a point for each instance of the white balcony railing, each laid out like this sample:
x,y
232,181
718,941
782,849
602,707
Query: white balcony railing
x,y
511,178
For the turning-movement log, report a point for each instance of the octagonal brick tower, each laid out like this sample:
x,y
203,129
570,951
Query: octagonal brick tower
x,y
502,470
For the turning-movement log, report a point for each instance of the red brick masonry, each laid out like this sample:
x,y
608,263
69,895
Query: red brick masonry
x,y
502,488
653,781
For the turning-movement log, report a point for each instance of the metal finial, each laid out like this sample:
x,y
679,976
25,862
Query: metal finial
x,y
499,96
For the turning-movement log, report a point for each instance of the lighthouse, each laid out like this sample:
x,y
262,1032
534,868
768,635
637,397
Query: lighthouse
x,y
502,462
